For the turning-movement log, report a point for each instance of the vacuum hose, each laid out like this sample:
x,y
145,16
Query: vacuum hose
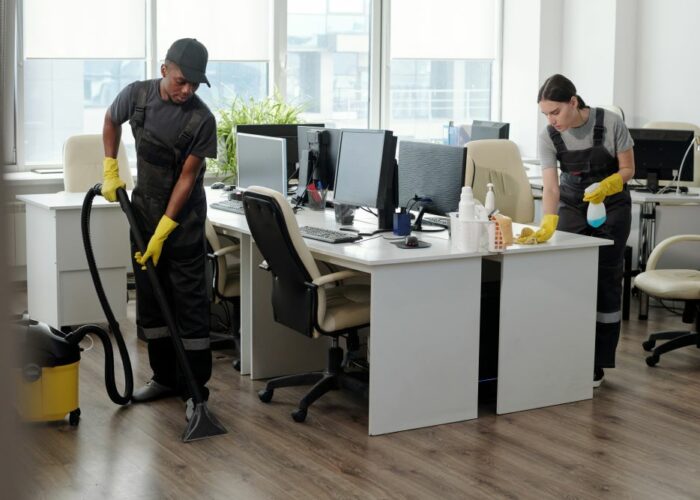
x,y
77,335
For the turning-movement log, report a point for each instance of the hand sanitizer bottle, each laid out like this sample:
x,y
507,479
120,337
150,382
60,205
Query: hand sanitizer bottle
x,y
490,202
596,211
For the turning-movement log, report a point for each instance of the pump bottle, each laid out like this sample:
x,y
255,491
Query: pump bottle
x,y
490,201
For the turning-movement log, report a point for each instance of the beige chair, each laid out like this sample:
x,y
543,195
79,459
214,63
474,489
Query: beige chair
x,y
682,126
226,289
82,163
303,299
498,161
615,109
672,284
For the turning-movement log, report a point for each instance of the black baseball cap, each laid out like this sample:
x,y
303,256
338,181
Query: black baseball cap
x,y
191,56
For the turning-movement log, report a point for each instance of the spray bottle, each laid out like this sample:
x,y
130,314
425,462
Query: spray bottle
x,y
490,202
595,216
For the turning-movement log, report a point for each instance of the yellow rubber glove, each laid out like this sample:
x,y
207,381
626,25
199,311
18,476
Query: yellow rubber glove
x,y
610,185
155,245
546,230
110,179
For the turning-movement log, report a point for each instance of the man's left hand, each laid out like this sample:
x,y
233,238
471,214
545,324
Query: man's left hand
x,y
155,245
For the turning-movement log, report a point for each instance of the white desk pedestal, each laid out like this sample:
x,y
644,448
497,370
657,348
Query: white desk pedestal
x,y
60,291
424,344
547,328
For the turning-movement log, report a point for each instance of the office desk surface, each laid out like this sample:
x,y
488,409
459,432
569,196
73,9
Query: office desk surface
x,y
61,200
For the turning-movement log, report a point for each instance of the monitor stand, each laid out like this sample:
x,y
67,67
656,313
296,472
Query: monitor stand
x,y
418,224
653,181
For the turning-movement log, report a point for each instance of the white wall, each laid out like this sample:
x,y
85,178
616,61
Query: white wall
x,y
638,54
668,66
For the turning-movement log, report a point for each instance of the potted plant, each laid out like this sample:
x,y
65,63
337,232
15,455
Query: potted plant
x,y
269,110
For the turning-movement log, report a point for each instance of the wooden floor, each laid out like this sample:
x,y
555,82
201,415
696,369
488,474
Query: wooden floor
x,y
638,438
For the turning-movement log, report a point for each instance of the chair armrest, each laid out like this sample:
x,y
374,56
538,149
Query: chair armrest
x,y
663,246
337,276
226,250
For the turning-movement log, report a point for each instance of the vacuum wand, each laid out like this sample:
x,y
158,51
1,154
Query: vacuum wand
x,y
203,423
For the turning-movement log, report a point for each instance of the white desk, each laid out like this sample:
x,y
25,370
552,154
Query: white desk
x,y
59,288
662,216
424,341
547,322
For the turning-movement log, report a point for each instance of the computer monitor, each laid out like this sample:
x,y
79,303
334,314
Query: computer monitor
x,y
434,171
658,154
366,174
284,131
489,130
324,144
262,161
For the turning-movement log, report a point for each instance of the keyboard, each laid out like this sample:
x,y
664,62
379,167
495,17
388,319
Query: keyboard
x,y
233,206
328,235
437,221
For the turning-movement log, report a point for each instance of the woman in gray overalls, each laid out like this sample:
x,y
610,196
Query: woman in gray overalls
x,y
591,145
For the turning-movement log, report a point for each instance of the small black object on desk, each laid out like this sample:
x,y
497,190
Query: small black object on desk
x,y
218,185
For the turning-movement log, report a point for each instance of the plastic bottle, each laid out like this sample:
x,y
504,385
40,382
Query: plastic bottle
x,y
466,204
595,216
490,202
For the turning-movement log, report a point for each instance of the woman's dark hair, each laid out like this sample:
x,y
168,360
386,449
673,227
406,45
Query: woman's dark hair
x,y
559,88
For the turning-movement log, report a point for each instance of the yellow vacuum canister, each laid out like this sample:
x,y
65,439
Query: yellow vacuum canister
x,y
48,375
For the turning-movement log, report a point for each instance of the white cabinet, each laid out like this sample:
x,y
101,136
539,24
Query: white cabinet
x,y
59,287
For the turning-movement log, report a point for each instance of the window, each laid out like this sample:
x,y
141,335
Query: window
x,y
329,59
328,47
445,73
68,83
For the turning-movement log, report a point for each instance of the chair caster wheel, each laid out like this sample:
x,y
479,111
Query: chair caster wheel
x,y
299,415
652,360
237,365
74,417
648,345
265,395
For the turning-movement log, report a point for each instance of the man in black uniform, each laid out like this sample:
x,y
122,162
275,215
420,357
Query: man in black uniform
x,y
174,132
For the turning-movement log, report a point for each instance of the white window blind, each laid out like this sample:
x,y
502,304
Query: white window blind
x,y
443,29
231,30
84,29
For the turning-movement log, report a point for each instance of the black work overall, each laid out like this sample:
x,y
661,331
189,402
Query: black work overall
x,y
181,268
580,169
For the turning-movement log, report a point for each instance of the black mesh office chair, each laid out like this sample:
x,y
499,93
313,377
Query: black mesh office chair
x,y
672,284
303,299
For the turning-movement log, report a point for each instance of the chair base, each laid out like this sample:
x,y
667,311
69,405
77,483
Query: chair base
x,y
676,340
333,378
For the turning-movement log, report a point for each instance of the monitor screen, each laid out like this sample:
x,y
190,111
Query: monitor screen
x,y
262,161
489,130
435,171
366,172
658,154
306,138
285,131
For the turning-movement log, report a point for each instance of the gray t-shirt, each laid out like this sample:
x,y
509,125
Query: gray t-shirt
x,y
617,138
166,120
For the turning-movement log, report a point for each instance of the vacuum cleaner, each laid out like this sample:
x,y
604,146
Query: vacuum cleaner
x,y
51,358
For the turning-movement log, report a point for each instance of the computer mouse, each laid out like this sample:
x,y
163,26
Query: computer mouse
x,y
229,187
218,185
411,241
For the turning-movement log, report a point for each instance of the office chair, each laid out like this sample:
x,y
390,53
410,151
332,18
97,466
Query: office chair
x,y
672,284
615,109
303,299
82,163
226,289
498,161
